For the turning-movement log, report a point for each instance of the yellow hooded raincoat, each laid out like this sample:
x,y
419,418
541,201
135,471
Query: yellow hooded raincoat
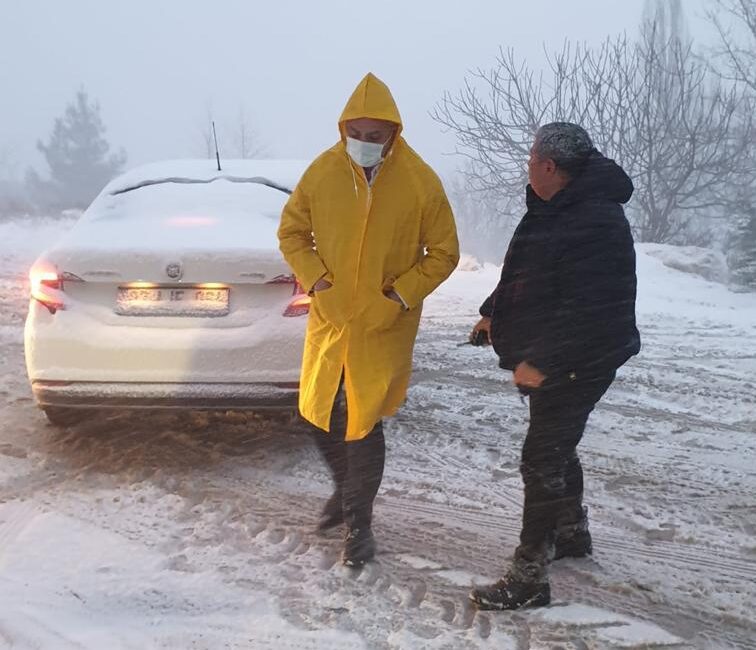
x,y
398,233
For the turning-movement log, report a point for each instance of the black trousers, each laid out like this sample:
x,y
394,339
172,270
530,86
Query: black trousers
x,y
550,467
356,466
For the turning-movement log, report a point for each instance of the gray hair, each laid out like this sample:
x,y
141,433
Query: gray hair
x,y
567,144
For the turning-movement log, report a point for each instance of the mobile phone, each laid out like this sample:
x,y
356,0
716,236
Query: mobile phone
x,y
480,338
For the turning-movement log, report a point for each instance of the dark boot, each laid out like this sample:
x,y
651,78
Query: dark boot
x,y
524,585
365,460
579,545
359,546
333,513
572,539
333,450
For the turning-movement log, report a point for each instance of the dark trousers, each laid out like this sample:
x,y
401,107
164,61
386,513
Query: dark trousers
x,y
356,466
550,467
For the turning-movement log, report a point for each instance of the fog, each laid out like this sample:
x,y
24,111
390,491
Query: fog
x,y
159,69
188,521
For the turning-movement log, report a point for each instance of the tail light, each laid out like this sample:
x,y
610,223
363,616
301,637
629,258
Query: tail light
x,y
47,288
300,305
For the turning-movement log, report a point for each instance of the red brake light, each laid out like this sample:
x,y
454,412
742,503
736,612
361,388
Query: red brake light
x,y
46,286
300,306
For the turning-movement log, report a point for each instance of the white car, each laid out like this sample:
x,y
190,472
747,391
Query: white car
x,y
170,292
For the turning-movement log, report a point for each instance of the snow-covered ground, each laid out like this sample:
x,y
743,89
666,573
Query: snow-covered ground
x,y
194,531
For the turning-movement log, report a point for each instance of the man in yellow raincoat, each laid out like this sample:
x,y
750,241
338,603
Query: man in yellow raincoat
x,y
369,234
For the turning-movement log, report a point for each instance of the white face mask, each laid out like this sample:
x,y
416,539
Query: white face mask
x,y
365,154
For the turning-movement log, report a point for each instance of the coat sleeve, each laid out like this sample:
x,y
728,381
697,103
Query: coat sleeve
x,y
487,308
595,286
297,242
489,304
439,238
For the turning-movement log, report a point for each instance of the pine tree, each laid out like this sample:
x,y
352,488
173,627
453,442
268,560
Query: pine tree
x,y
78,156
743,257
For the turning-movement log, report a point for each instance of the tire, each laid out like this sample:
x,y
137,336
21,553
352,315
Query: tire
x,y
60,416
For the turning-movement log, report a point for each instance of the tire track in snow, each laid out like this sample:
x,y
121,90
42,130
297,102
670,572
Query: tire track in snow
x,y
276,539
448,600
396,539
696,559
693,559
479,553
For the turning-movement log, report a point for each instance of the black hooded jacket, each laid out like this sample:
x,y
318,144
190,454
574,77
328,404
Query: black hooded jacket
x,y
566,299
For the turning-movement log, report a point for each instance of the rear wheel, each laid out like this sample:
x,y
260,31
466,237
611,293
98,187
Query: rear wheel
x,y
60,416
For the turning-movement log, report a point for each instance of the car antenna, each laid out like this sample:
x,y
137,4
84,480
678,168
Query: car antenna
x,y
217,154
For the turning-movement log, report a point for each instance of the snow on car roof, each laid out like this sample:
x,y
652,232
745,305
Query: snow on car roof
x,y
189,204
282,173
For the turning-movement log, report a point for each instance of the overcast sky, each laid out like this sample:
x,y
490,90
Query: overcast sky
x,y
156,66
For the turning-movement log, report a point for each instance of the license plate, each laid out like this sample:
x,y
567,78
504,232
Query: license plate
x,y
172,301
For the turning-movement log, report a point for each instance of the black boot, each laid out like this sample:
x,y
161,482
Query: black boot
x,y
359,546
365,460
525,585
333,513
573,539
579,545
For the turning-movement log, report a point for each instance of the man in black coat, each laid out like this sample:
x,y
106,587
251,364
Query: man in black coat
x,y
562,318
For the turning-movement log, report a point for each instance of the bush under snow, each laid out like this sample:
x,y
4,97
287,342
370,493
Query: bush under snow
x,y
706,263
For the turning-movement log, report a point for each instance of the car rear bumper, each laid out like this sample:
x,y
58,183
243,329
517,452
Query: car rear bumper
x,y
75,346
152,395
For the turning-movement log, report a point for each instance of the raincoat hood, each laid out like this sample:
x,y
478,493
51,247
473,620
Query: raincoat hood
x,y
372,98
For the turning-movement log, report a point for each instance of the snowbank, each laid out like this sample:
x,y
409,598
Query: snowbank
x,y
703,262
468,263
29,236
676,294
667,287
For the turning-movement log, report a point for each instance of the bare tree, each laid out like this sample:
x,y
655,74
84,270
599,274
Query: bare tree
x,y
498,112
735,55
668,20
688,140
245,138
237,138
651,104
483,223
734,58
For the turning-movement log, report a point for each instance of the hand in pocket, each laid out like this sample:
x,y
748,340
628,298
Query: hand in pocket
x,y
326,303
382,312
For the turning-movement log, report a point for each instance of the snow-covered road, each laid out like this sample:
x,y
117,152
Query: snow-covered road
x,y
194,531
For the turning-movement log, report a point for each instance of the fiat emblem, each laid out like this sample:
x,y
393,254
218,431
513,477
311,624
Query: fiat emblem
x,y
174,270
